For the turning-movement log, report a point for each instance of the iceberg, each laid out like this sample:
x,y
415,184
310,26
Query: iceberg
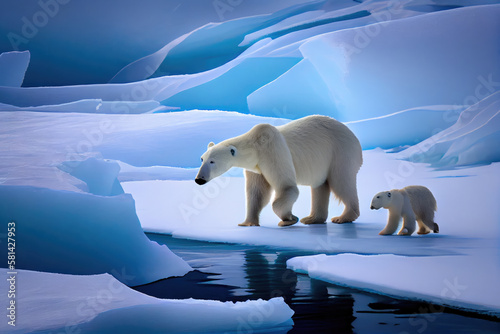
x,y
369,75
138,31
99,175
229,91
80,233
339,57
207,47
13,66
404,128
472,140
285,96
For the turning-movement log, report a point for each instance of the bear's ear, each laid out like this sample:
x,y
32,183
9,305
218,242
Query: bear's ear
x,y
210,144
389,194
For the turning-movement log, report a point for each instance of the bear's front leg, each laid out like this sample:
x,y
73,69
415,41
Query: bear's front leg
x,y
392,223
409,224
282,205
258,194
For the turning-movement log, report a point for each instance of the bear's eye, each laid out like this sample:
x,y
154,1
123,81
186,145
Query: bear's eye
x,y
388,194
201,159
211,161
378,196
232,151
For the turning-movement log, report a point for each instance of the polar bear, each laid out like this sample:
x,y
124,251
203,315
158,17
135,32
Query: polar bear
x,y
412,203
315,150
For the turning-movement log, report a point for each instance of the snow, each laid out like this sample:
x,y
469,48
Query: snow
x,y
81,233
184,209
13,67
100,303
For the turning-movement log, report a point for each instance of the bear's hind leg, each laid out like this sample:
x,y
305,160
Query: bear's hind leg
x,y
422,228
258,194
428,221
344,188
319,205
283,204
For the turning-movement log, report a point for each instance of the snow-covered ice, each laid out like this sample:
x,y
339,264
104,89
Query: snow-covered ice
x,y
466,281
99,303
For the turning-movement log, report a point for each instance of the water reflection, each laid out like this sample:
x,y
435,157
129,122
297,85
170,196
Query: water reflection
x,y
269,279
316,308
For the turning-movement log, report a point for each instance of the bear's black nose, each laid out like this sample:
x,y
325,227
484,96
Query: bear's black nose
x,y
200,181
372,207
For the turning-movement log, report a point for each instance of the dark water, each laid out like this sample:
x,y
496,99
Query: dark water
x,y
238,273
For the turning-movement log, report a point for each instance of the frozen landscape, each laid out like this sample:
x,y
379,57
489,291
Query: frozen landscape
x,y
95,156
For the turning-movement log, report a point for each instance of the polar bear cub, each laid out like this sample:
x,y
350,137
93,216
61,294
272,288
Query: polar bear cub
x,y
411,203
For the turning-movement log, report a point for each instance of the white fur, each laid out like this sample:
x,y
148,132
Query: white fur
x,y
316,150
412,203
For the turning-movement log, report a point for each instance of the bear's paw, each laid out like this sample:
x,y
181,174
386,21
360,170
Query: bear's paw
x,y
248,224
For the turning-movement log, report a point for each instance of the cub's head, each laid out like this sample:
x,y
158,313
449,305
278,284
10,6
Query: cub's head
x,y
381,200
217,160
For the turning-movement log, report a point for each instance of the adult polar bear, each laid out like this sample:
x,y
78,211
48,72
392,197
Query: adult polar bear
x,y
317,151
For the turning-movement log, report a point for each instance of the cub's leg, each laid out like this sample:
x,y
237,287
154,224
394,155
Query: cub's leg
x,y
319,205
258,194
392,223
408,225
422,228
428,221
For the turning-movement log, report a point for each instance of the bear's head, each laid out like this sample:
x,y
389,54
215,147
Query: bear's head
x,y
381,200
217,160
